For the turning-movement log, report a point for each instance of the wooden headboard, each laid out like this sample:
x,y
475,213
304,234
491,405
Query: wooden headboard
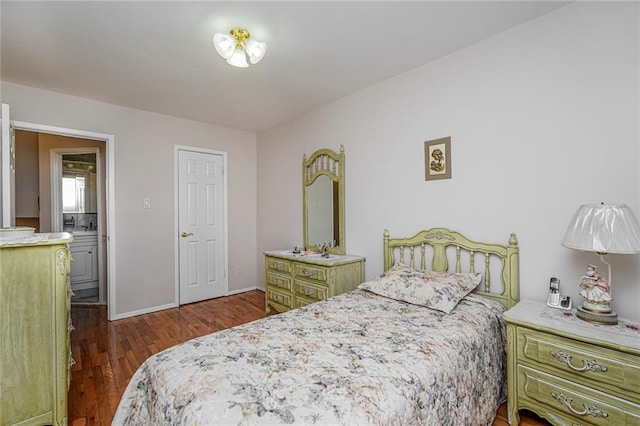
x,y
444,245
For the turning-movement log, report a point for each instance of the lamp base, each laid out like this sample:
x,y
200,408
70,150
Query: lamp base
x,y
610,318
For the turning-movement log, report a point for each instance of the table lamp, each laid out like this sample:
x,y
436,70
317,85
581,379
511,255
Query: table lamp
x,y
601,228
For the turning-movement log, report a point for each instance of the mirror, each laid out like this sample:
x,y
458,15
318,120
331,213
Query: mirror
x,y
323,200
79,183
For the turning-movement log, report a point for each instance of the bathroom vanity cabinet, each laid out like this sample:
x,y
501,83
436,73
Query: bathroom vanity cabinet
x,y
34,329
84,268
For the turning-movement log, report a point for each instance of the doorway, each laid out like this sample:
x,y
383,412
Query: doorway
x,y
77,207
8,200
50,168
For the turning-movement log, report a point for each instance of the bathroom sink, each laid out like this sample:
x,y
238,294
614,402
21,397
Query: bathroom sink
x,y
83,232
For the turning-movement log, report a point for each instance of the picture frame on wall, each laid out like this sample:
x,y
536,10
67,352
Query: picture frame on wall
x,y
437,159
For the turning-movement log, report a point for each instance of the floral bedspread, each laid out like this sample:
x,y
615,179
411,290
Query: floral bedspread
x,y
357,358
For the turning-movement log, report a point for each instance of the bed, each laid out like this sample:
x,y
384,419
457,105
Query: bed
x,y
423,343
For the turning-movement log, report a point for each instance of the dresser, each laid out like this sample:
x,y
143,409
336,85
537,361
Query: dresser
x,y
34,329
292,280
569,371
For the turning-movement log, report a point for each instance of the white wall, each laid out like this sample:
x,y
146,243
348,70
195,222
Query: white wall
x,y
144,167
542,118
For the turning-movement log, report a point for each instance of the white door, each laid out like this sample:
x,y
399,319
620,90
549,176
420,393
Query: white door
x,y
8,160
201,211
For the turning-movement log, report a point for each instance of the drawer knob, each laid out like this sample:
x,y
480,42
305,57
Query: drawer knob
x,y
587,364
307,291
308,273
589,410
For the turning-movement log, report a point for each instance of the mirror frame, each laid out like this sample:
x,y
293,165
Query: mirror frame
x,y
324,162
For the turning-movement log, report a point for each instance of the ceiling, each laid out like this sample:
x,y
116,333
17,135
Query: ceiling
x,y
158,55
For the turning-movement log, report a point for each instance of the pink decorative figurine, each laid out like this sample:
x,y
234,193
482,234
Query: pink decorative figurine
x,y
595,289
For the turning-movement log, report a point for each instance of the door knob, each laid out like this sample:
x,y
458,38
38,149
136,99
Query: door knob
x,y
185,234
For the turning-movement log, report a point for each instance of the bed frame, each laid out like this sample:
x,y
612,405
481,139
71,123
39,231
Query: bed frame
x,y
443,243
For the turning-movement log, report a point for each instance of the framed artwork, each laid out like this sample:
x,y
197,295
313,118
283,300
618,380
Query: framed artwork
x,y
437,159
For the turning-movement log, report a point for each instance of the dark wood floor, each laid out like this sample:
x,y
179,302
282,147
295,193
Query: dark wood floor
x,y
108,353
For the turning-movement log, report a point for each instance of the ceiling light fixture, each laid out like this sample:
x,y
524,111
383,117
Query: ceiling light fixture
x,y
237,46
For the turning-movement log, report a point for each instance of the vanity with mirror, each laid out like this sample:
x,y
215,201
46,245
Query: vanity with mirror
x,y
80,218
79,193
321,268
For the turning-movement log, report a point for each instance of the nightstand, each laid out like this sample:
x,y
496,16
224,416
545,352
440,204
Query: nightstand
x,y
570,371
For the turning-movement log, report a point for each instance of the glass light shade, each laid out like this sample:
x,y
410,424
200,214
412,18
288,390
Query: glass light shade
x,y
603,228
225,44
238,59
255,50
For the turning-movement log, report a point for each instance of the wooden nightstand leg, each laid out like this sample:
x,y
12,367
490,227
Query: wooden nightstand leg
x,y
513,417
512,382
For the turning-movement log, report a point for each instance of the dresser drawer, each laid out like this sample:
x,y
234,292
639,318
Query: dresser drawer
x,y
313,272
279,265
580,360
299,302
281,298
277,280
310,290
583,404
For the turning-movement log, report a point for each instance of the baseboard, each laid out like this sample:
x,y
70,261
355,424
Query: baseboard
x,y
144,311
244,290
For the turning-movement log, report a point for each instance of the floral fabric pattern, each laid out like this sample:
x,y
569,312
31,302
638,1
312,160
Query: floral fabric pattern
x,y
354,359
436,290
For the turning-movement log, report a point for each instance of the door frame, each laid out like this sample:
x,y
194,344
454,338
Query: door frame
x,y
176,213
110,195
56,202
7,178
